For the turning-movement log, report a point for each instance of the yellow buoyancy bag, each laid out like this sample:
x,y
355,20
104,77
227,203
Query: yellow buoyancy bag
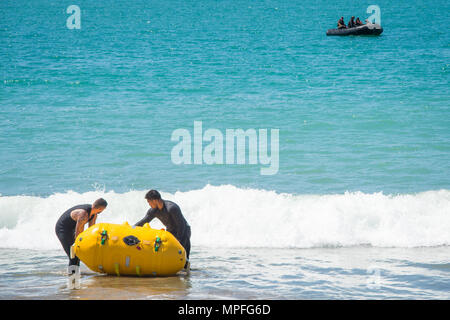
x,y
124,250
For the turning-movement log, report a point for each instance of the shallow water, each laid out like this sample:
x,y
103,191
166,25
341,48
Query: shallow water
x,y
245,273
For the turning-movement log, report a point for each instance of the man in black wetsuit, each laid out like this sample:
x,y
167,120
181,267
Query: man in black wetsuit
x,y
71,224
170,215
358,22
341,23
351,23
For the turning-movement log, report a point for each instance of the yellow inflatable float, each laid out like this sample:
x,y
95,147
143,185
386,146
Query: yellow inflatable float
x,y
124,250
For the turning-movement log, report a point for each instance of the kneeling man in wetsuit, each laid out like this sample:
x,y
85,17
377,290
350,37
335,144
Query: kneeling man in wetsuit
x,y
71,224
170,215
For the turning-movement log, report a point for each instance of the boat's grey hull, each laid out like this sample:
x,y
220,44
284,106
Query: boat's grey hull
x,y
367,29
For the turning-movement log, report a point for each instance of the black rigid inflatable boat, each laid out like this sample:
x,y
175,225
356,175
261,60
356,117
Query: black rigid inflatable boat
x,y
367,29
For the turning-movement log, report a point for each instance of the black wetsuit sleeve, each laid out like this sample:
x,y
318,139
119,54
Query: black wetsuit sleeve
x,y
148,217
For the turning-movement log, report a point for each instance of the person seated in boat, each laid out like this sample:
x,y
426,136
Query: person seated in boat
x,y
341,23
358,22
351,23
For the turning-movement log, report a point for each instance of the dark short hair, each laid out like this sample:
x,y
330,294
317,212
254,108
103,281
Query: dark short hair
x,y
100,203
153,195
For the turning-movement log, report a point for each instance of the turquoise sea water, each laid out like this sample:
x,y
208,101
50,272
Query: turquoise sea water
x,y
97,106
364,141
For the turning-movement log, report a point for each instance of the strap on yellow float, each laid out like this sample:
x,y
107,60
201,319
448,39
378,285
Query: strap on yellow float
x,y
138,271
116,268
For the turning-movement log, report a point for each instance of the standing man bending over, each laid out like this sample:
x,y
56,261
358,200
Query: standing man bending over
x,y
71,224
170,215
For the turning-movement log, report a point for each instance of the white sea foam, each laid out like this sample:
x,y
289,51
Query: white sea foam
x,y
227,216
